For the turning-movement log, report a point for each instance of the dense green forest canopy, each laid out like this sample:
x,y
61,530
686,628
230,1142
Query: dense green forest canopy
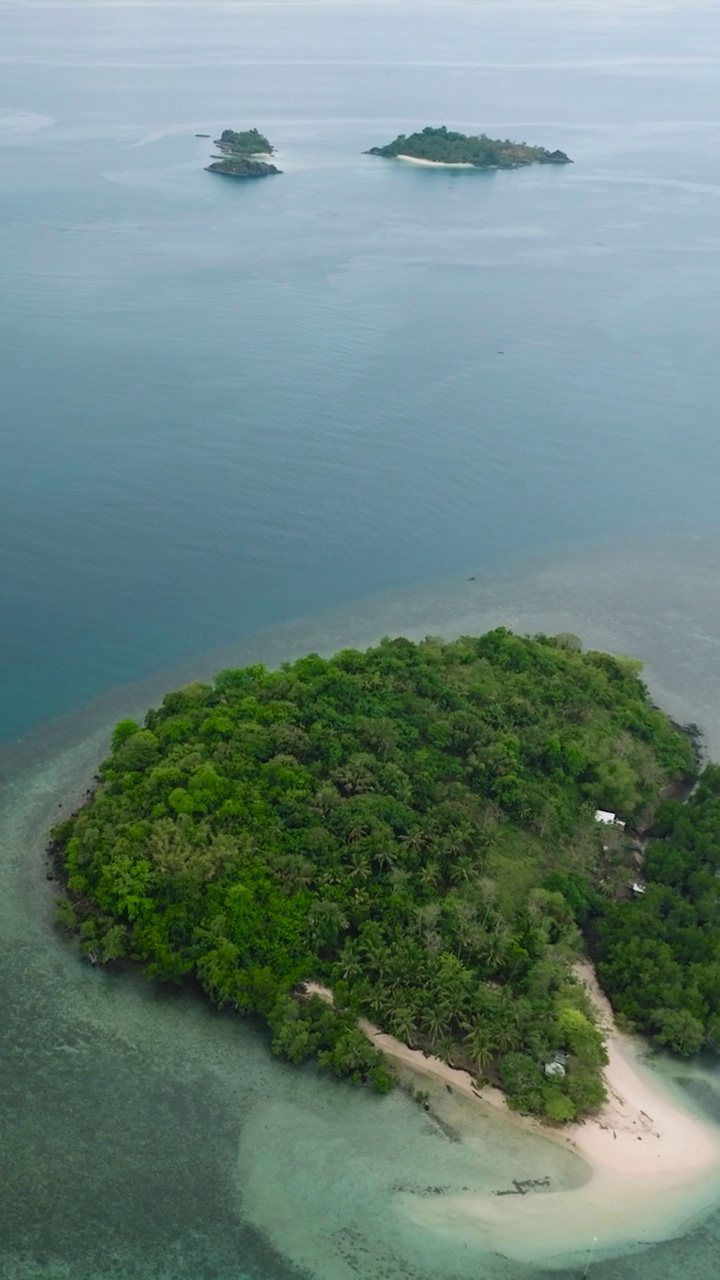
x,y
659,956
244,142
413,826
445,146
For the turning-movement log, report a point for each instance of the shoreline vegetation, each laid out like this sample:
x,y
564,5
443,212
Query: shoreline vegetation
x,y
640,1140
414,828
240,155
445,147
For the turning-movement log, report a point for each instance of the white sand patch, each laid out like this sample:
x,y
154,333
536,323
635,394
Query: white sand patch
x,y
438,164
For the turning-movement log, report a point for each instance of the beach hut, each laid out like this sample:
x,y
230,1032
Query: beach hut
x,y
609,819
556,1066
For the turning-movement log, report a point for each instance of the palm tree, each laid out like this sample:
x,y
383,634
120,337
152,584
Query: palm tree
x,y
354,780
429,875
357,831
411,959
436,1021
427,917
349,962
377,955
326,920
379,1000
452,996
360,866
465,723
444,1048
400,880
462,869
480,1047
370,680
326,880
433,941
508,1036
414,840
454,842
481,1043
382,734
494,950
325,798
361,900
385,855
294,871
401,1021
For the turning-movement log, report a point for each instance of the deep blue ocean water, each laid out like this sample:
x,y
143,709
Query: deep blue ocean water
x,y
333,397
226,405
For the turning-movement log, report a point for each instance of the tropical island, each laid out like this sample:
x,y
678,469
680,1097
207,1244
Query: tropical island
x,y
239,155
242,167
406,841
445,147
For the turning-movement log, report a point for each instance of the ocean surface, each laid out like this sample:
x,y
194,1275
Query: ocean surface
x,y
244,420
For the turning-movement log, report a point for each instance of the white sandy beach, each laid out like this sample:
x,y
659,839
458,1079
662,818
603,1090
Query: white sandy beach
x,y
437,164
653,1165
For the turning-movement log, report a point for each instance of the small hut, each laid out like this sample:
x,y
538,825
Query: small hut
x,y
609,819
556,1066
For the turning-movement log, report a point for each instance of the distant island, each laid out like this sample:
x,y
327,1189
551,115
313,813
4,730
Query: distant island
x,y
239,155
242,167
443,146
246,142
427,832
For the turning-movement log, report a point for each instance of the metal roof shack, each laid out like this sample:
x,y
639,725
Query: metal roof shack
x,y
556,1065
609,819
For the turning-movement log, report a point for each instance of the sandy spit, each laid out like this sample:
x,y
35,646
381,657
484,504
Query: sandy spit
x,y
654,1166
639,1131
437,164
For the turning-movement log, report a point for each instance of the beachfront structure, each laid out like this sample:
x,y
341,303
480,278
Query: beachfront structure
x,y
609,819
556,1065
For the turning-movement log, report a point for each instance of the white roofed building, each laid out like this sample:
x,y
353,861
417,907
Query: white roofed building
x,y
608,819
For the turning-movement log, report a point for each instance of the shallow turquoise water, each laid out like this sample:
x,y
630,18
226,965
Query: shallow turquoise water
x,y
229,407
146,1136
